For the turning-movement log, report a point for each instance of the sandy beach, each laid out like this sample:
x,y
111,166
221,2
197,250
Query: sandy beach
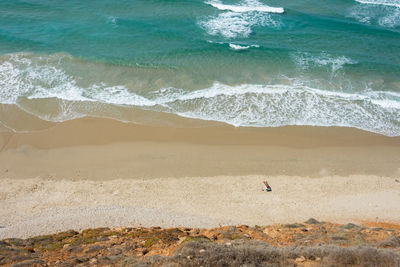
x,y
96,172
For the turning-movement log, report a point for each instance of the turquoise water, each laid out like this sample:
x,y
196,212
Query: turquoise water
x,y
248,63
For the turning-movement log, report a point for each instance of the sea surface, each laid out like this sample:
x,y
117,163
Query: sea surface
x,y
257,63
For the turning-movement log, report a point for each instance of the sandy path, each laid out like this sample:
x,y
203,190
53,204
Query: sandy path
x,y
39,206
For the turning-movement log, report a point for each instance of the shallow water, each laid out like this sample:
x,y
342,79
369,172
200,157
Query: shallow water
x,y
248,62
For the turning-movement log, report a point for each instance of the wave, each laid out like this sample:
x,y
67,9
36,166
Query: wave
x,y
307,60
278,105
248,6
22,78
239,23
388,15
395,3
241,47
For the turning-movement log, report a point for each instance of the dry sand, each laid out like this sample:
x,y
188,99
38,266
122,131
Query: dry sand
x,y
39,206
96,172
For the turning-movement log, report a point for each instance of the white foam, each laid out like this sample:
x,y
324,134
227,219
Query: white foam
x,y
229,25
24,75
306,60
395,3
233,25
391,20
245,7
239,20
242,47
278,105
387,15
239,47
256,105
113,21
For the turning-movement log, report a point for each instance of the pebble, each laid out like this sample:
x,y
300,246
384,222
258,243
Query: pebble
x,y
202,250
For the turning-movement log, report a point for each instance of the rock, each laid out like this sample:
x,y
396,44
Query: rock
x,y
337,237
34,262
115,251
228,243
312,221
74,249
350,226
4,244
202,250
295,225
300,259
102,238
81,259
15,242
391,242
114,258
94,248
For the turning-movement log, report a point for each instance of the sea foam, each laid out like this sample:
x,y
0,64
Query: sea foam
x,y
385,13
307,60
395,3
292,102
239,20
247,6
242,47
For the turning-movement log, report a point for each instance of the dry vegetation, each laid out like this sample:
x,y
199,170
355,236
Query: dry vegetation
x,y
311,243
258,253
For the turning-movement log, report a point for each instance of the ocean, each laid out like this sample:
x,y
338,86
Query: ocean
x,y
253,63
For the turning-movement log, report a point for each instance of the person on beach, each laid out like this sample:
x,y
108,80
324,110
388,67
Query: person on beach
x,y
267,187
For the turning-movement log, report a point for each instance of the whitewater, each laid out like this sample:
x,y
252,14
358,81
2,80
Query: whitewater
x,y
246,63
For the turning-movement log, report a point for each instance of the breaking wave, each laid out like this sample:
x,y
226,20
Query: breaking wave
x,y
395,3
239,20
306,60
255,105
248,6
385,13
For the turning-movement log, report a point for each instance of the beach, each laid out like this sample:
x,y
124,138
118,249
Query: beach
x,y
200,133
94,172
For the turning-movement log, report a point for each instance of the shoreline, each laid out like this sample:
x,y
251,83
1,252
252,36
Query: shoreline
x,y
101,149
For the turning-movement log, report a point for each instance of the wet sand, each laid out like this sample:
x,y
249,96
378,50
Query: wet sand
x,y
98,172
101,149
